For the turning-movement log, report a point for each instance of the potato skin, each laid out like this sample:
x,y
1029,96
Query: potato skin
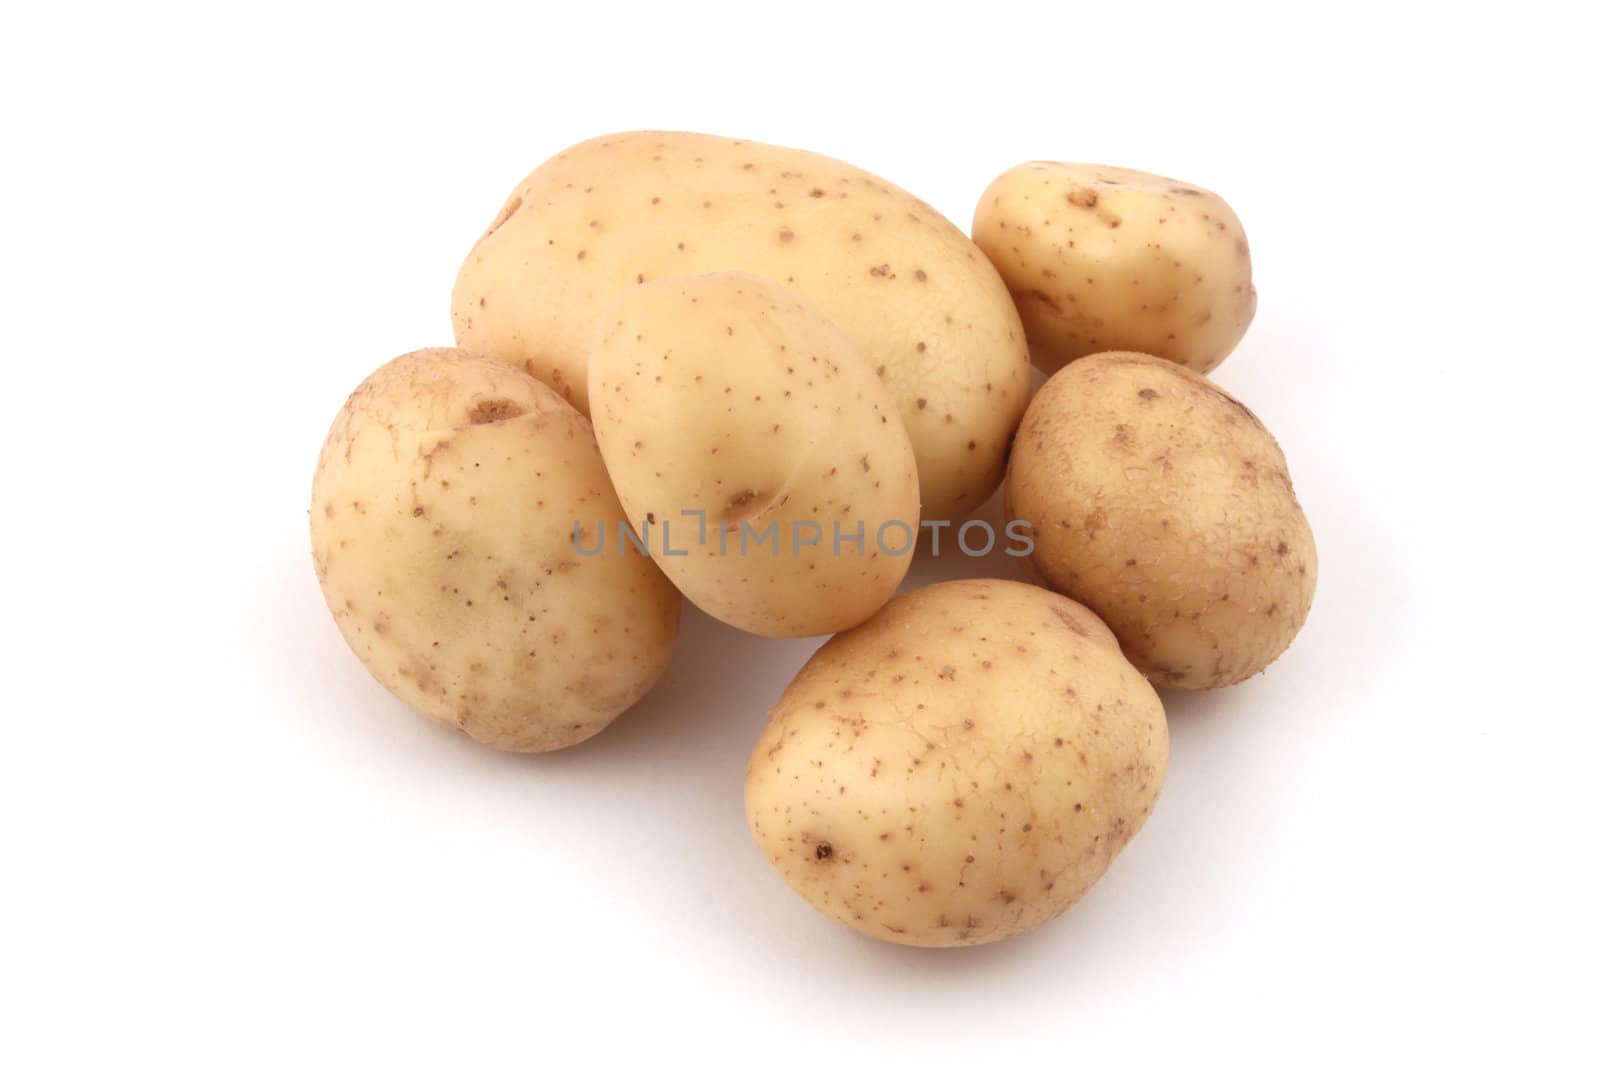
x,y
918,298
1101,258
442,531
961,768
724,394
1165,506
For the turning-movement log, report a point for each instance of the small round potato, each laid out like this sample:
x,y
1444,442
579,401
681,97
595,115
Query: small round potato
x,y
1102,258
918,299
442,527
762,452
1164,505
959,769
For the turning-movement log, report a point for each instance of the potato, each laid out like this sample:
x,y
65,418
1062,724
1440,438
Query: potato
x,y
959,769
1163,504
442,527
728,411
1102,258
922,304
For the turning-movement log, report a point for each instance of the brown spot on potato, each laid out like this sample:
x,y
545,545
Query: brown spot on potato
x,y
494,409
1042,297
744,504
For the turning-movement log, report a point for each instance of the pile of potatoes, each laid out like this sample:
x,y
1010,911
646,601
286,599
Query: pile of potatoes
x,y
665,341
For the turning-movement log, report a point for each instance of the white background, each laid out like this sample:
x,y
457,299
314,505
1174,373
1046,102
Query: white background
x,y
222,842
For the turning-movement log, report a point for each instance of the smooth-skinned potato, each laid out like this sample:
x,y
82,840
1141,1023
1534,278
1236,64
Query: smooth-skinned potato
x,y
922,304
763,453
959,769
442,517
1165,506
1101,258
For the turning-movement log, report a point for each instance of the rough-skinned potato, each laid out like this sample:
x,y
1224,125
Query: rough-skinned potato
x,y
1165,506
728,411
961,768
442,530
922,304
1102,258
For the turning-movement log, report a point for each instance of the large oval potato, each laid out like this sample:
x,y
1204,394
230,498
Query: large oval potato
x,y
959,769
728,411
1103,258
442,527
922,304
1163,504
